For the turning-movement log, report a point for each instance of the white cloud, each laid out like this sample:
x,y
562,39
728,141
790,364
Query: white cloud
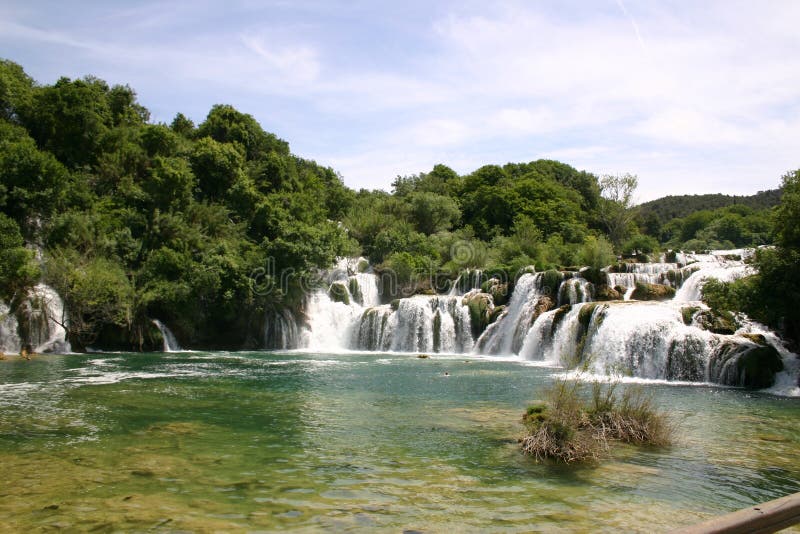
x,y
689,96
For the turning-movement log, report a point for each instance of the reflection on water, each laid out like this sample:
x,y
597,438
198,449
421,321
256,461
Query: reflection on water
x,y
245,441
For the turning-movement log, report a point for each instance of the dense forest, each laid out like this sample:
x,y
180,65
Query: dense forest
x,y
131,220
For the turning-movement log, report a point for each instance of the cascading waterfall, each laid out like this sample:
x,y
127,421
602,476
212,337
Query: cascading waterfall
x,y
574,290
37,325
9,337
651,340
170,342
550,318
280,330
329,323
467,281
419,324
667,274
645,340
692,288
45,310
507,334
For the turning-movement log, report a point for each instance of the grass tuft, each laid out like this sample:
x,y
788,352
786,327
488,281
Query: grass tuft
x,y
568,428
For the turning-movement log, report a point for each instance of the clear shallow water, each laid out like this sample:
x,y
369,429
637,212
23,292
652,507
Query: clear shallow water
x,y
270,441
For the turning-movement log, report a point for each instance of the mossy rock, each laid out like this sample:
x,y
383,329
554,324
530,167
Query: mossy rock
x,y
395,304
355,290
757,367
604,292
425,291
544,304
338,293
559,315
551,281
362,266
499,291
488,284
671,256
585,315
595,276
745,365
496,313
652,292
437,331
687,314
480,306
717,322
758,339
500,294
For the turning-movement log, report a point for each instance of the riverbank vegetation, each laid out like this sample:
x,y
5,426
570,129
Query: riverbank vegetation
x,y
210,226
566,427
770,295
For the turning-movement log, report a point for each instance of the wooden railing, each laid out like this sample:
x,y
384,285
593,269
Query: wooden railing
x,y
771,516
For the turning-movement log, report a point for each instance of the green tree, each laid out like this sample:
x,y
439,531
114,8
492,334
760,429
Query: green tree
x,y
32,182
615,205
16,91
787,217
433,212
18,268
227,125
596,252
217,166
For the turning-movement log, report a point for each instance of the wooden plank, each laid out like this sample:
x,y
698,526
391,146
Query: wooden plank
x,y
771,516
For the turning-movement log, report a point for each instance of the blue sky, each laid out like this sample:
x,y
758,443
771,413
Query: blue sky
x,y
693,97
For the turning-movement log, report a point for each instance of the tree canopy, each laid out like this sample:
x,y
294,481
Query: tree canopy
x,y
138,220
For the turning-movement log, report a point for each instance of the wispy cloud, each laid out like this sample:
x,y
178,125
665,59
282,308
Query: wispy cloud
x,y
705,97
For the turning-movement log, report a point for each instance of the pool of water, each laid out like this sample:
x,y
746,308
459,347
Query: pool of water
x,y
274,441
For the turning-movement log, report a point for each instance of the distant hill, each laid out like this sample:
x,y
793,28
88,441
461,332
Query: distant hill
x,y
676,206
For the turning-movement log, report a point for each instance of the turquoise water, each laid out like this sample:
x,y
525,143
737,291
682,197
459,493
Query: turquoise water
x,y
364,442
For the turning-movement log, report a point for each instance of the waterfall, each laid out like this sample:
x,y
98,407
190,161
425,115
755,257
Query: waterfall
x,y
507,334
41,317
170,343
37,324
9,338
364,289
668,274
574,290
550,318
280,330
468,280
55,339
692,288
329,323
419,324
553,338
645,340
